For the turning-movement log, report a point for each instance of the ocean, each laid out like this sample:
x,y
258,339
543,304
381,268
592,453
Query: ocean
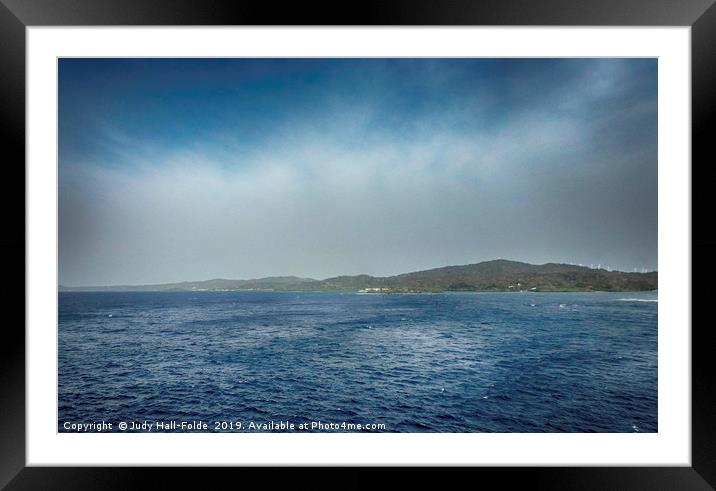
x,y
316,361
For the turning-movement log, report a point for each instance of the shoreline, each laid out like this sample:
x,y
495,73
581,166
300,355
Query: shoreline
x,y
462,292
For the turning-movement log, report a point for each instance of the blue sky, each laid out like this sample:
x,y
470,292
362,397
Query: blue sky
x,y
188,169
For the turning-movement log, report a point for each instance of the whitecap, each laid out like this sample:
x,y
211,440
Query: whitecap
x,y
638,300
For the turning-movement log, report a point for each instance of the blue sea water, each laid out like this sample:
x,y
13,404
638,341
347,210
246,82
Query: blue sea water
x,y
454,362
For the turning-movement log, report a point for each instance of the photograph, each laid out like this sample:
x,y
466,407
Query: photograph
x,y
357,245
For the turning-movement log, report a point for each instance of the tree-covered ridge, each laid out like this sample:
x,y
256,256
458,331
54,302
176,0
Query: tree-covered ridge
x,y
496,275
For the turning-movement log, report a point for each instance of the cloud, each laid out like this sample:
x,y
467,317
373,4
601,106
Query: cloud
x,y
337,193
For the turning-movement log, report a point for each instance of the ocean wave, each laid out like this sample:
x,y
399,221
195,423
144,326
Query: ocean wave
x,y
638,300
457,363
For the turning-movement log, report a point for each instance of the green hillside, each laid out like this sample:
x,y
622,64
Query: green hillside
x,y
497,275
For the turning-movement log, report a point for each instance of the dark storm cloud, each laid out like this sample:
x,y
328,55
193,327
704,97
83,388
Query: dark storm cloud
x,y
192,169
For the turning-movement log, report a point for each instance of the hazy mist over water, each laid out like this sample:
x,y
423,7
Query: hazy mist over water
x,y
191,169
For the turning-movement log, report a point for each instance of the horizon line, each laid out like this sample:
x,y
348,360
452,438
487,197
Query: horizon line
x,y
598,268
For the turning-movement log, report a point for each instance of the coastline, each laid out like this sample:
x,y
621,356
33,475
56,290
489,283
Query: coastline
x,y
447,292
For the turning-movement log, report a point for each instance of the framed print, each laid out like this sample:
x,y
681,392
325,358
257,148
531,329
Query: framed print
x,y
421,236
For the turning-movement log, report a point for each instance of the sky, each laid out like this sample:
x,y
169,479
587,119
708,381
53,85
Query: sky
x,y
191,169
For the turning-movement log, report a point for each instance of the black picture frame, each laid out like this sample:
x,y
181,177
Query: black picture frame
x,y
16,15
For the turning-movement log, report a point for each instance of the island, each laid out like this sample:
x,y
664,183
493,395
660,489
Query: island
x,y
498,275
